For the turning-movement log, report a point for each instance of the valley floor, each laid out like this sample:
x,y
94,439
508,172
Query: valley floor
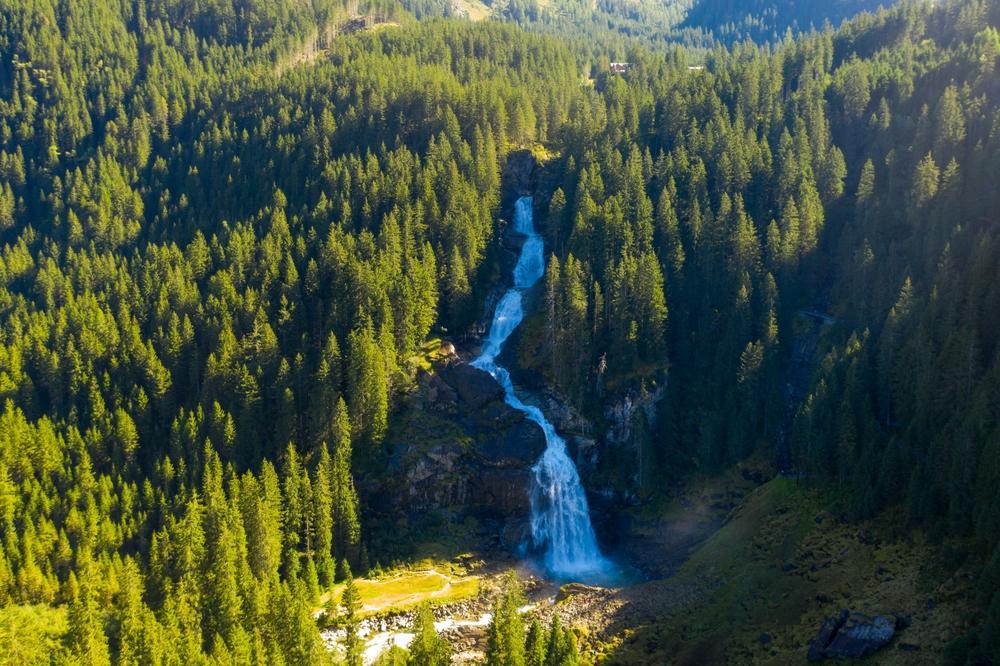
x,y
742,570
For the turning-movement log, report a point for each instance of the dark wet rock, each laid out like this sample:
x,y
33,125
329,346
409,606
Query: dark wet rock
x,y
851,635
520,175
474,386
501,492
862,635
513,240
516,534
829,628
519,444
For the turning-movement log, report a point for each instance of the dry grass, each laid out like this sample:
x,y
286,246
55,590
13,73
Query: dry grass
x,y
779,566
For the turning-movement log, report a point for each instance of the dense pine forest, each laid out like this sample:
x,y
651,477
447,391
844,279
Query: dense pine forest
x,y
229,229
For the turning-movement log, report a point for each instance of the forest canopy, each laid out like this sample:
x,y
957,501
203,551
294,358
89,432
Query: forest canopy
x,y
216,267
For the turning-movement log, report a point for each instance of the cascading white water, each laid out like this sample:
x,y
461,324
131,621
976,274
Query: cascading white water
x,y
560,517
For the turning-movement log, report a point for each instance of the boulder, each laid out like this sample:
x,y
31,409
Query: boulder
x,y
438,394
829,628
572,589
475,387
458,449
852,636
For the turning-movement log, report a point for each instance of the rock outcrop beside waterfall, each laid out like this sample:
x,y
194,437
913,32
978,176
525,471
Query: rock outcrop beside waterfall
x,y
520,176
460,450
629,417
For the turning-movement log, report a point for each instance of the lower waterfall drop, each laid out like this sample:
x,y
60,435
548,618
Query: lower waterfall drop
x,y
560,516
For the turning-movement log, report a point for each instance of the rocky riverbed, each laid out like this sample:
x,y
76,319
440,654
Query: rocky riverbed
x,y
463,623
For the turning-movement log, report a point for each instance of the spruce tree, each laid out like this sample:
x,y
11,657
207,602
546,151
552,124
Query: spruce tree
x,y
427,648
344,498
505,641
535,645
350,603
367,384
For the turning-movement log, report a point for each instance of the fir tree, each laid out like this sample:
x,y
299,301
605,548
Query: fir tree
x,y
427,648
505,642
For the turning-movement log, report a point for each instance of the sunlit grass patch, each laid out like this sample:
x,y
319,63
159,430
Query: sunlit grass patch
x,y
474,9
408,588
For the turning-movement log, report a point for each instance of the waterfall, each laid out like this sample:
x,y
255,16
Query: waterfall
x,y
560,517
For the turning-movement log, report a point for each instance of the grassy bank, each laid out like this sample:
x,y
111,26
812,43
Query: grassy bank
x,y
757,590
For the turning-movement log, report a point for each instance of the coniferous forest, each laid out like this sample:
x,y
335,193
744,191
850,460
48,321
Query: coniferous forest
x,y
236,235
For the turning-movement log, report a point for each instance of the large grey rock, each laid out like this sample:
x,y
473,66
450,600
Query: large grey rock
x,y
432,478
475,387
438,394
519,173
572,589
852,636
862,635
458,448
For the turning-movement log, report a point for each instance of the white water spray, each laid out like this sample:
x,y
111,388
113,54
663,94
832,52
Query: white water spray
x,y
560,517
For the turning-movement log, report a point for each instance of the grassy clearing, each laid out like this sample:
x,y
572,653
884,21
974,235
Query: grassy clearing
x,y
402,590
422,360
474,9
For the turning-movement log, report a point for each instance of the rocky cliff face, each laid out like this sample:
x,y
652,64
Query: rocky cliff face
x,y
520,175
459,449
609,454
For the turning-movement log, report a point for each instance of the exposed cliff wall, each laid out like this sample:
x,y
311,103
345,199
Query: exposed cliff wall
x,y
457,449
611,452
